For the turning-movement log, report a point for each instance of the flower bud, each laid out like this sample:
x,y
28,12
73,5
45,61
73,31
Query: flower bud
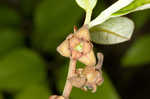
x,y
87,78
77,81
93,77
56,97
63,49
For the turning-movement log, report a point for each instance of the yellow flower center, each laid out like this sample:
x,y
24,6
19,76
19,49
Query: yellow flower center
x,y
79,47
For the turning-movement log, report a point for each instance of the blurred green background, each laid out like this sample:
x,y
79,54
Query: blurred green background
x,y
30,67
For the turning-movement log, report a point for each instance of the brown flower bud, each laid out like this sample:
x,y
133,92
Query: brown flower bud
x,y
89,77
78,46
63,49
56,97
77,81
93,77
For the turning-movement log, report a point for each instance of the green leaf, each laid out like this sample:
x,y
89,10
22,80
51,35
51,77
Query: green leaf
x,y
136,5
105,91
54,19
141,18
34,92
21,68
113,31
9,40
106,14
86,4
9,16
28,6
138,54
1,96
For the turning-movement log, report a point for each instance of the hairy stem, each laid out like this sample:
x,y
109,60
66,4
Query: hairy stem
x,y
71,72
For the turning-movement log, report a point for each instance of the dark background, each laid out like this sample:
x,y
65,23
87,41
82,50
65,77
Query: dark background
x,y
30,67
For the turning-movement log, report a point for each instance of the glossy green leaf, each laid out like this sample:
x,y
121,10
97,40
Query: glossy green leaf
x,y
9,40
54,20
138,53
105,91
9,16
34,92
136,5
87,4
113,31
21,68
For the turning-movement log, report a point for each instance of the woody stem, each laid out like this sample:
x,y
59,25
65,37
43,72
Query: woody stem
x,y
71,72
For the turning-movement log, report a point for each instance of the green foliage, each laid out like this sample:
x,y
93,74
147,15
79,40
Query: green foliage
x,y
34,92
134,6
86,4
10,39
106,14
27,6
105,91
21,68
8,16
140,18
1,97
138,54
114,30
54,23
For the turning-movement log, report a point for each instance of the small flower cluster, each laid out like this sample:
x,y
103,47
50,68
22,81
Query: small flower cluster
x,y
78,47
89,77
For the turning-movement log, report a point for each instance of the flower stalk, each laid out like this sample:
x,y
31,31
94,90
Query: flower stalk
x,y
88,17
71,72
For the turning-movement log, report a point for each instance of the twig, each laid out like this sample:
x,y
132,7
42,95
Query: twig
x,y
71,72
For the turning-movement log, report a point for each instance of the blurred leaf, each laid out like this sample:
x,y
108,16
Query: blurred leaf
x,y
9,16
140,18
86,4
1,97
34,92
10,39
102,5
113,31
21,68
105,91
54,19
28,6
136,5
138,54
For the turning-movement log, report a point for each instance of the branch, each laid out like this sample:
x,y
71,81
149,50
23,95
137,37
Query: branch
x,y
71,72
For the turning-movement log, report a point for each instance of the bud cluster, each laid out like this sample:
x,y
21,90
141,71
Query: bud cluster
x,y
89,77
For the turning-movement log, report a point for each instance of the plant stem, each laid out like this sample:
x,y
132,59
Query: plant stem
x,y
71,72
88,17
